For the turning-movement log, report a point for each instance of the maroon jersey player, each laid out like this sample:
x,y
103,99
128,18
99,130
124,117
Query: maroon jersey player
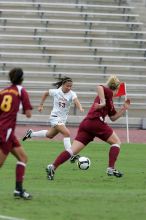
x,y
94,125
13,98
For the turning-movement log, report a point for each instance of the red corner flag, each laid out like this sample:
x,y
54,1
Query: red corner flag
x,y
121,90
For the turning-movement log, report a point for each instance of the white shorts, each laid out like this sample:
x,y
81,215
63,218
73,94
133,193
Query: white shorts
x,y
55,120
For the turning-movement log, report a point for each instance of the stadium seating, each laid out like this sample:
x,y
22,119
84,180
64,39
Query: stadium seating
x,y
86,41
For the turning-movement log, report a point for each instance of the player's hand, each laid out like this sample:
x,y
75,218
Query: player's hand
x,y
40,108
126,104
81,109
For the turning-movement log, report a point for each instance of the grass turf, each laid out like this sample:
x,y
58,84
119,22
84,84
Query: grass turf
x,y
77,194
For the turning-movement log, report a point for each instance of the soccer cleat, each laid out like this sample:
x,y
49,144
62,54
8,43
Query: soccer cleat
x,y
114,172
27,135
50,172
22,194
74,158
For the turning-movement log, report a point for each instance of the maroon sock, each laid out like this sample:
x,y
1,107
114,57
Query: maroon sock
x,y
113,154
20,170
64,156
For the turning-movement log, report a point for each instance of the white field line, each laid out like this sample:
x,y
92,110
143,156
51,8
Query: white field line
x,y
10,218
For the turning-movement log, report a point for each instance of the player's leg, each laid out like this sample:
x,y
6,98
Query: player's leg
x,y
58,124
21,157
63,157
52,132
105,132
76,147
83,137
61,128
5,146
30,133
114,151
66,140
2,158
81,140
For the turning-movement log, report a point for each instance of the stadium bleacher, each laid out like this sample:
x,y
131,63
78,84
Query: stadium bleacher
x,y
86,41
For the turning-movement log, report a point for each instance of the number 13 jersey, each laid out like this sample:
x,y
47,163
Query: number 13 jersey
x,y
62,102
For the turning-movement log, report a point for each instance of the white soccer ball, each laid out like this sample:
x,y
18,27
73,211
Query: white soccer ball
x,y
84,163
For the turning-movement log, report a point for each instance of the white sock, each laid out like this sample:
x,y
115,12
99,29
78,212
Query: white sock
x,y
70,152
41,133
21,163
67,143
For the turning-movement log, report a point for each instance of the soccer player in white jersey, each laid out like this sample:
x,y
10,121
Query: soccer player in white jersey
x,y
63,97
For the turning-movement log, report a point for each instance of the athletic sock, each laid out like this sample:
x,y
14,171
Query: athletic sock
x,y
20,171
67,143
64,156
113,154
41,133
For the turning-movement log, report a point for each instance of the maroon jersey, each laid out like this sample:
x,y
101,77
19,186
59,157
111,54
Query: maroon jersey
x,y
90,128
108,109
11,98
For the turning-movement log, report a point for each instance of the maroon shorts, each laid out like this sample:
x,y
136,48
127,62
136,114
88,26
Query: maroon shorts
x,y
91,128
7,146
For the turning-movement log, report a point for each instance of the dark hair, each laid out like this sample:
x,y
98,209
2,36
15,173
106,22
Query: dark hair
x,y
16,76
62,81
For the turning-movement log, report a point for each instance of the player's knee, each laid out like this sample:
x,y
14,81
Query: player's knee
x,y
24,159
116,145
67,134
118,142
49,136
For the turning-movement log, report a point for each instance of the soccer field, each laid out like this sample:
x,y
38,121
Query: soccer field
x,y
76,194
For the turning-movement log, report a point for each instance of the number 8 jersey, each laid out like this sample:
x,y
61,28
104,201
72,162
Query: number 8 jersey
x,y
11,98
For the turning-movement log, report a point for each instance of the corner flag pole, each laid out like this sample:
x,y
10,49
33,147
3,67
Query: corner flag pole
x,y
127,123
122,92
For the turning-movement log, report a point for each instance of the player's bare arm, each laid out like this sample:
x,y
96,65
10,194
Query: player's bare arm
x,y
45,95
101,95
124,107
78,105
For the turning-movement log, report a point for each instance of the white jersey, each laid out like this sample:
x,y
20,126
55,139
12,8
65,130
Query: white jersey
x,y
62,102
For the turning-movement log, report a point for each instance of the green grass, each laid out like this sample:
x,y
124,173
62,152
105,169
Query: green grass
x,y
77,194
